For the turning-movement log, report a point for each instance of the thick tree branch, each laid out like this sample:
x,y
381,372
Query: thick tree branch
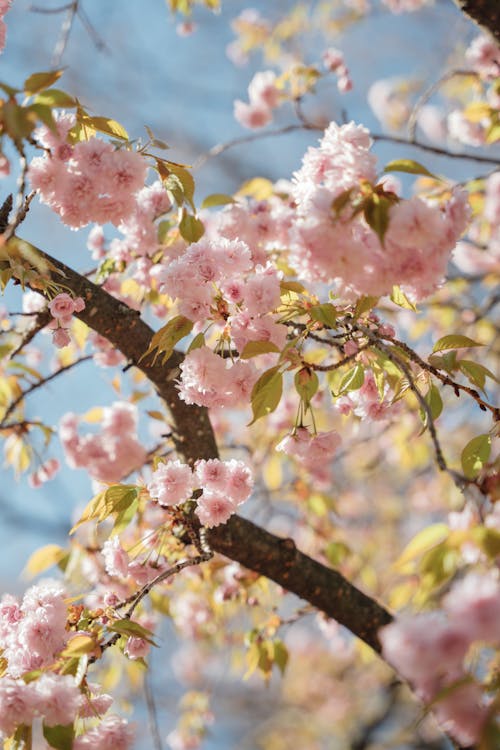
x,y
239,539
484,12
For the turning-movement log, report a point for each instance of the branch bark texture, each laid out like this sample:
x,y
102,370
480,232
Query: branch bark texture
x,y
239,539
484,12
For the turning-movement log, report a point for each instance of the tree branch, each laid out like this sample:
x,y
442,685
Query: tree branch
x,y
239,539
484,12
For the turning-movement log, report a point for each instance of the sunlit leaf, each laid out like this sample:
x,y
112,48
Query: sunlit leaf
x,y
266,393
454,341
475,454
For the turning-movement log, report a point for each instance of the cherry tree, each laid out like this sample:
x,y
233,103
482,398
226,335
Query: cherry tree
x,y
315,360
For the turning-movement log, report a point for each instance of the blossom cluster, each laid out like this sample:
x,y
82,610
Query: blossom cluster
x,y
223,279
430,650
88,181
313,452
62,308
343,249
112,453
334,62
32,636
264,96
225,485
4,7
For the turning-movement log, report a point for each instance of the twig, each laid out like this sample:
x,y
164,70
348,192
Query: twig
x,y
242,140
39,384
429,92
41,321
445,379
152,713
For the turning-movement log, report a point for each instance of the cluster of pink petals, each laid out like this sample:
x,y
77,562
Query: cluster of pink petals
x,y
264,96
90,181
310,450
212,381
342,250
313,452
333,60
367,402
62,308
53,697
483,54
429,650
113,733
4,7
33,632
405,6
225,485
109,455
44,473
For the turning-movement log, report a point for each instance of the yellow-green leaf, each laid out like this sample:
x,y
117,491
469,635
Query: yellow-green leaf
x,y
454,341
266,393
217,199
475,454
41,81
425,540
190,227
352,380
45,557
410,167
168,336
105,125
254,348
79,645
55,98
401,300
59,737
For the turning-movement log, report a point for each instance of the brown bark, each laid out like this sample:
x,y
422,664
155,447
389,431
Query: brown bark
x,y
484,12
239,539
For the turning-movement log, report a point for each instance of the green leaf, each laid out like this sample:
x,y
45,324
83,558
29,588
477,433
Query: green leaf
x,y
45,114
254,348
292,286
365,304
266,393
115,499
325,313
454,341
475,454
401,300
336,552
185,178
196,343
410,167
422,542
475,372
61,737
55,98
105,125
488,539
41,81
168,336
217,199
190,227
433,398
352,380
306,384
376,213
124,517
280,655
131,630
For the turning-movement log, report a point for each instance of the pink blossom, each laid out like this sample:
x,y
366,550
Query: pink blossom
x,y
475,603
136,648
171,483
112,733
263,91
214,508
58,698
62,305
253,115
240,481
116,559
332,58
17,705
484,55
212,475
